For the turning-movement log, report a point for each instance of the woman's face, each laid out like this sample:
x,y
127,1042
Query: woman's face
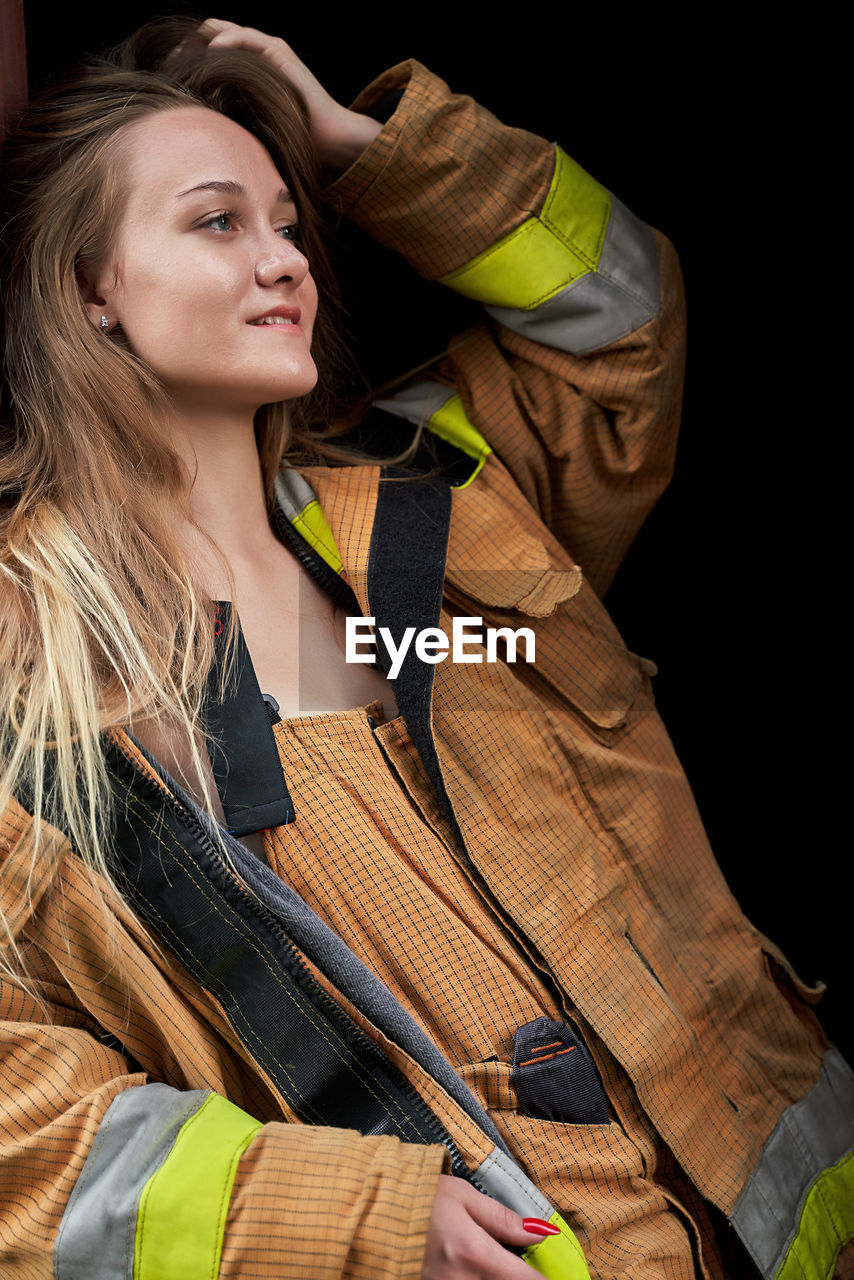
x,y
206,279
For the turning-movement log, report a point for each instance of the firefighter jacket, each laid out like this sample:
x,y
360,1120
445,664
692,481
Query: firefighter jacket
x,y
243,1074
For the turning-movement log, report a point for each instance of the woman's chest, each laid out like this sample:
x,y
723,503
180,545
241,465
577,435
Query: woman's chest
x,y
296,639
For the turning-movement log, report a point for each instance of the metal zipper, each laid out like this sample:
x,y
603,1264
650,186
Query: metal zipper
x,y
321,997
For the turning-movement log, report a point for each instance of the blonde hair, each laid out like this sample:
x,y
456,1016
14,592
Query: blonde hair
x,y
100,619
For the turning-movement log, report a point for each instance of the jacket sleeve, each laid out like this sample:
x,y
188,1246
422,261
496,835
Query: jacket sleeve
x,y
574,376
107,1172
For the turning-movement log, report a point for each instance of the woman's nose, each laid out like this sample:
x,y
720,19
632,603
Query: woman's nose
x,y
285,262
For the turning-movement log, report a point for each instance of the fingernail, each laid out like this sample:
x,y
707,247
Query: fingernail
x,y
538,1227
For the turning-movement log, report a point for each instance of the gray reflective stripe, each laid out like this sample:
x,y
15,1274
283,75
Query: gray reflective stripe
x,y
602,306
417,404
293,493
96,1237
502,1178
810,1136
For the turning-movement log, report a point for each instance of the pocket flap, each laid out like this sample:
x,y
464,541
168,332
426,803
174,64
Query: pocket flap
x,y
555,1075
536,592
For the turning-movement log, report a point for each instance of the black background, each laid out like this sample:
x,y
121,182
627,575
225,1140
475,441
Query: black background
x,y
711,131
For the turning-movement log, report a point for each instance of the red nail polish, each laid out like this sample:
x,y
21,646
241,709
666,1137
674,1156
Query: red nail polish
x,y
540,1228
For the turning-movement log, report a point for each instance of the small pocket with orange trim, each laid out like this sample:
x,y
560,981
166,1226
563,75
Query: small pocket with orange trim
x,y
555,1075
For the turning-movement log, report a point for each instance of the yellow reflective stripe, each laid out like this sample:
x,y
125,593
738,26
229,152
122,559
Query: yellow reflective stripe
x,y
183,1206
546,253
314,527
826,1224
559,1257
450,423
577,210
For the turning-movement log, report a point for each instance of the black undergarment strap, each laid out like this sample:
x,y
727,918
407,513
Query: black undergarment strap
x,y
242,749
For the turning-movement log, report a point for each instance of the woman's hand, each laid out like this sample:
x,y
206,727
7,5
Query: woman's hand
x,y
340,135
466,1234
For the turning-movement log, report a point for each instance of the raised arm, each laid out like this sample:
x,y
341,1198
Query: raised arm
x,y
574,376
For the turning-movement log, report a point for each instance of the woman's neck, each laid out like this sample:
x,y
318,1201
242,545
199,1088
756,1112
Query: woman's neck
x,y
227,499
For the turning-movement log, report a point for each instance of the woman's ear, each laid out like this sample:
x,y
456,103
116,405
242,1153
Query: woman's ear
x,y
94,302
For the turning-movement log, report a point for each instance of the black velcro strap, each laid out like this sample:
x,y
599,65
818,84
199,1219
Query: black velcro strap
x,y
406,576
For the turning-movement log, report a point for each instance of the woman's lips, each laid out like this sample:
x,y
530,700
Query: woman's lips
x,y
279,317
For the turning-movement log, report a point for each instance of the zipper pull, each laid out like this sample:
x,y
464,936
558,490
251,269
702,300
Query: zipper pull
x,y
272,707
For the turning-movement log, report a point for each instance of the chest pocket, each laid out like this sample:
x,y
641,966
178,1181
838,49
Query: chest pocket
x,y
580,657
504,565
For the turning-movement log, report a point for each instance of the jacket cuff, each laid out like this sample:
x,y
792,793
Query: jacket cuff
x,y
444,179
318,1201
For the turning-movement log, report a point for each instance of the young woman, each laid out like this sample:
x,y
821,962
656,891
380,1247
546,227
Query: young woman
x,y
296,948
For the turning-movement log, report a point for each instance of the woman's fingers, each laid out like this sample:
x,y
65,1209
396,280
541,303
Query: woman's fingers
x,y
467,1233
219,34
230,35
213,28
501,1223
339,134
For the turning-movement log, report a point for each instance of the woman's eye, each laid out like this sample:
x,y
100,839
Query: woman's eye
x,y
293,231
220,222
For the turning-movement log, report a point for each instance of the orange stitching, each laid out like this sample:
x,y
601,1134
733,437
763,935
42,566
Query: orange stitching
x,y
547,1056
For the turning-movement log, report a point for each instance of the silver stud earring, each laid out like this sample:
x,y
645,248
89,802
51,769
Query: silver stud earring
x,y
105,324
